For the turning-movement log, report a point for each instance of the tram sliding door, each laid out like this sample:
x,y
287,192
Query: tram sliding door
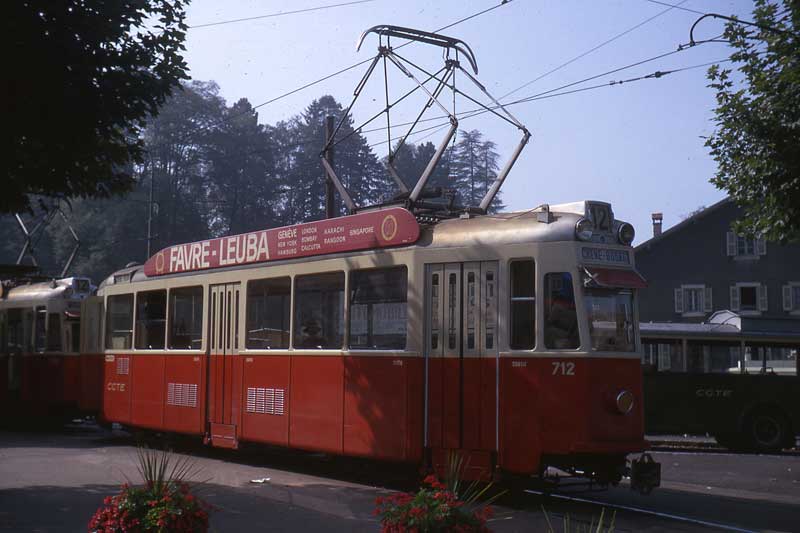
x,y
461,358
224,381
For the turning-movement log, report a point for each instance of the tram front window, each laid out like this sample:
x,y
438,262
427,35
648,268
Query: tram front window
x,y
610,315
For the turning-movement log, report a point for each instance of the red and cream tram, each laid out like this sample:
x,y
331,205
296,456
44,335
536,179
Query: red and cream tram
x,y
42,371
512,338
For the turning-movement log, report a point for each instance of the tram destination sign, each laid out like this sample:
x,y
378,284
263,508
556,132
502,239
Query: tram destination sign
x,y
376,229
605,256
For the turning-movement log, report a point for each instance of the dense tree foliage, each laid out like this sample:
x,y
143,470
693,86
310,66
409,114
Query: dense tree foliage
x,y
757,141
82,78
215,170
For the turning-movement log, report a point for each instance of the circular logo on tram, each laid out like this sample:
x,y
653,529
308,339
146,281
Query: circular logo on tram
x,y
160,262
389,227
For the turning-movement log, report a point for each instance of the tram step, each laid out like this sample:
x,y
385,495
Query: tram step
x,y
224,436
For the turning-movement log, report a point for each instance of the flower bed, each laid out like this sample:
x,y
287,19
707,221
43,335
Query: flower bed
x,y
433,508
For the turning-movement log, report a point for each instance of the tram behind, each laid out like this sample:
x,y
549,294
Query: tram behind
x,y
41,370
511,338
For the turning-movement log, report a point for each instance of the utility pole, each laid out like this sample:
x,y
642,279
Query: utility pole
x,y
150,209
330,206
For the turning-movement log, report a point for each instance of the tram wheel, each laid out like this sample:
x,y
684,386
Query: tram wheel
x,y
766,431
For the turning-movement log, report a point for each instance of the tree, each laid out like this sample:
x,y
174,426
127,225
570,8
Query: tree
x,y
84,77
242,181
474,167
354,161
758,122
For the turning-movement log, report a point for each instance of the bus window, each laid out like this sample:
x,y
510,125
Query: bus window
x,y
664,356
560,318
698,358
268,308
319,311
53,332
724,358
770,359
119,322
523,305
40,332
151,320
378,309
186,318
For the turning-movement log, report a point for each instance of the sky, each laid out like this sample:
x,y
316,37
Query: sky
x,y
638,145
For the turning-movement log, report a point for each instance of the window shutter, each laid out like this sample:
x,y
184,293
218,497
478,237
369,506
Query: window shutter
x,y
787,298
762,298
731,243
761,245
734,298
708,305
679,300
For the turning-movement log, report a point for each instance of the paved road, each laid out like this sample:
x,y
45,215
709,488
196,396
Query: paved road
x,y
53,482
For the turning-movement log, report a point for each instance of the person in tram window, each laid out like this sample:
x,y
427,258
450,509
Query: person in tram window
x,y
311,334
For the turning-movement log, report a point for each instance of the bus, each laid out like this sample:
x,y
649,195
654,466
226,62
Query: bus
x,y
732,377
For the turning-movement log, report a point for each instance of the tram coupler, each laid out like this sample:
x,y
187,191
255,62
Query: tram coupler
x,y
645,474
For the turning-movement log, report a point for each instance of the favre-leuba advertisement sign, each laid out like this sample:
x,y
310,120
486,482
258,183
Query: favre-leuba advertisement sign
x,y
376,229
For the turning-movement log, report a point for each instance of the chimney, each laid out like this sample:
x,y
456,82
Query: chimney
x,y
657,218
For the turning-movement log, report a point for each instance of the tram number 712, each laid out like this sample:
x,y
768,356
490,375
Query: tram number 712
x,y
563,368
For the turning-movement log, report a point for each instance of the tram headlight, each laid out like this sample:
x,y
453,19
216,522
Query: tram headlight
x,y
625,401
626,233
583,229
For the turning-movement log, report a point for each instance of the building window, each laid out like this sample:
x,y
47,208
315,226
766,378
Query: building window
x,y
693,300
749,298
745,247
378,308
791,297
523,305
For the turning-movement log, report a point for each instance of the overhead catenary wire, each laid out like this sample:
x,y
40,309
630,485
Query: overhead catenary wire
x,y
206,127
550,94
279,14
593,49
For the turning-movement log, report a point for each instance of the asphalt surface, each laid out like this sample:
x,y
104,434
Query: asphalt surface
x,y
54,481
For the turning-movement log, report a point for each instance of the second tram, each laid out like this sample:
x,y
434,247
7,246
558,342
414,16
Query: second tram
x,y
511,338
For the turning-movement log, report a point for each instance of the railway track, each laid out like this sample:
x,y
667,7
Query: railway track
x,y
638,510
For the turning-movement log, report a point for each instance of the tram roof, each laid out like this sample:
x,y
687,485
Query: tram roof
x,y
545,223
38,292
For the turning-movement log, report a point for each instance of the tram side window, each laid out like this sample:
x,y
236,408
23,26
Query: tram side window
x,y
151,320
119,322
40,329
268,312
53,332
378,308
186,318
560,317
523,305
319,311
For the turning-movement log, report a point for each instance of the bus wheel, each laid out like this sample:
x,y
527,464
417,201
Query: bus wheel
x,y
766,431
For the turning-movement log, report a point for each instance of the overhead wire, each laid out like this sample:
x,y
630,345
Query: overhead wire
x,y
593,49
279,14
337,73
